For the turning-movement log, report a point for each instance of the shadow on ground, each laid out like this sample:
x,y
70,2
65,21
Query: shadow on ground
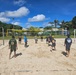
x,y
64,53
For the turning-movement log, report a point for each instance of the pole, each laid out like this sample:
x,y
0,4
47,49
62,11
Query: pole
x,y
3,34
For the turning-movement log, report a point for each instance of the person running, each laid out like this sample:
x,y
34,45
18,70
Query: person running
x,y
53,46
36,39
12,46
67,44
25,40
20,39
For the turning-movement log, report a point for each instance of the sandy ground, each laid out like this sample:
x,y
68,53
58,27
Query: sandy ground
x,y
37,59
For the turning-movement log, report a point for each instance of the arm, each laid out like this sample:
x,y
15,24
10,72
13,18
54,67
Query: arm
x,y
9,43
65,42
16,44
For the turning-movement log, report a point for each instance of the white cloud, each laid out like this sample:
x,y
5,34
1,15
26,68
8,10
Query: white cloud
x,y
28,25
37,18
3,19
19,2
16,23
48,24
23,11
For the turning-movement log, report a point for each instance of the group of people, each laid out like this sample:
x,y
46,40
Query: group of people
x,y
50,40
67,43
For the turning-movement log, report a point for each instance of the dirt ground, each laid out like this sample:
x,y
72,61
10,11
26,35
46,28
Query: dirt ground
x,y
37,59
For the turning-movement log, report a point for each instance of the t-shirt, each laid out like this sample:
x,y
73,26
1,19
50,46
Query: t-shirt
x,y
13,43
68,41
25,39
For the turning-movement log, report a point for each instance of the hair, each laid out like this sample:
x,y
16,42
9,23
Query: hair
x,y
68,36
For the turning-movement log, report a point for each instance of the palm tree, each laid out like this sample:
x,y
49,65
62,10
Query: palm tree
x,y
56,22
62,23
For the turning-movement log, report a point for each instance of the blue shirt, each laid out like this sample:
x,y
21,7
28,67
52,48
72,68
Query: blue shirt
x,y
25,39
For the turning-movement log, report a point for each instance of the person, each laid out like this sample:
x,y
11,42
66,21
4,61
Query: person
x,y
36,39
41,38
20,39
53,46
12,46
46,40
67,44
25,40
49,40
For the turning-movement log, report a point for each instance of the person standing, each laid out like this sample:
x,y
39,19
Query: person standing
x,y
36,39
19,39
25,40
41,38
67,44
12,46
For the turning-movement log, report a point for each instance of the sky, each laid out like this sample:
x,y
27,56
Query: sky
x,y
37,13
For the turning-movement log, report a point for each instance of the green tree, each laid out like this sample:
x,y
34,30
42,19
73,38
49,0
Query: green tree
x,y
33,30
74,22
47,28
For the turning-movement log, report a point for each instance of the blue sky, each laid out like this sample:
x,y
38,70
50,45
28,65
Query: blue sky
x,y
36,13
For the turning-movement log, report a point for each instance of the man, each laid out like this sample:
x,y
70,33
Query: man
x,y
12,46
25,40
67,44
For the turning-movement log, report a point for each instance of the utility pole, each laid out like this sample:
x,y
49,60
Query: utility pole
x,y
3,34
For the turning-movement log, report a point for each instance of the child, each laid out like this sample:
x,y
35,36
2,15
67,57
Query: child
x,y
12,46
36,39
25,40
53,46
67,44
20,39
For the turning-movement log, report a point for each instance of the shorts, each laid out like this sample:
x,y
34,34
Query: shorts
x,y
67,47
13,49
53,44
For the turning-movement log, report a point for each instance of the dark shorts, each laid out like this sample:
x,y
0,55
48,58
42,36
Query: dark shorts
x,y
67,47
53,44
19,39
13,50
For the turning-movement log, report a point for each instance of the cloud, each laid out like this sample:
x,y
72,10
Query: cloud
x,y
48,24
19,2
37,18
3,19
28,25
23,11
16,23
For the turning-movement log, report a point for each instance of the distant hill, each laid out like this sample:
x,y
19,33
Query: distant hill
x,y
8,26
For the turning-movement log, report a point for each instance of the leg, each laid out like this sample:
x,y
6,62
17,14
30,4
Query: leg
x,y
14,53
10,54
67,52
51,48
54,48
